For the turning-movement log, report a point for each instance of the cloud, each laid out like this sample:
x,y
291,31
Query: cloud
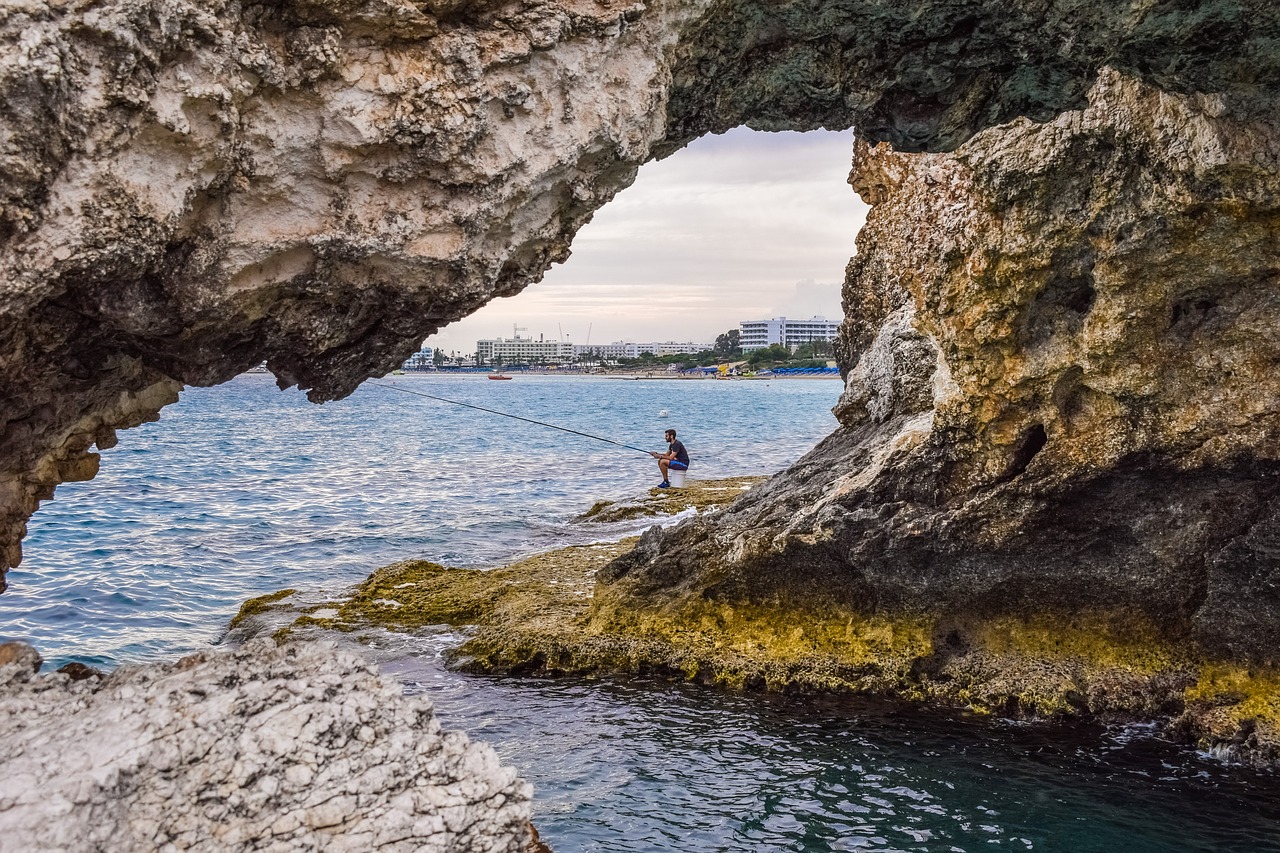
x,y
811,299
733,227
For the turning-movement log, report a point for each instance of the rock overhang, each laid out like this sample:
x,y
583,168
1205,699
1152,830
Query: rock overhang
x,y
1059,399
190,189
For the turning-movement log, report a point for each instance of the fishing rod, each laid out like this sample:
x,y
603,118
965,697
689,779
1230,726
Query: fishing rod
x,y
509,415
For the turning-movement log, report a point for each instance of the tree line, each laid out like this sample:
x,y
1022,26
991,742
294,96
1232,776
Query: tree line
x,y
727,347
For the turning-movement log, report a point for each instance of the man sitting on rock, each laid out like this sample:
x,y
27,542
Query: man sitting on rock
x,y
676,458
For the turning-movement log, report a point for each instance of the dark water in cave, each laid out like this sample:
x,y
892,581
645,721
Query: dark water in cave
x,y
242,490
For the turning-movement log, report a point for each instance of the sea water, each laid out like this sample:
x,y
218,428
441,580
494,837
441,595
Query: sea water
x,y
242,490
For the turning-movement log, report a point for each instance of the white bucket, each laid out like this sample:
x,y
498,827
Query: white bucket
x,y
675,478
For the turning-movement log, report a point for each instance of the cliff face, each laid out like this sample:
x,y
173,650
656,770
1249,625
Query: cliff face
x,y
191,188
1061,394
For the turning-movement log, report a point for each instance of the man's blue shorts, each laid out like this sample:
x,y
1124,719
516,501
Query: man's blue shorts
x,y
677,465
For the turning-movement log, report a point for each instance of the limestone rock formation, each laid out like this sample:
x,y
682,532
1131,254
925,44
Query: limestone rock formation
x,y
1062,395
295,748
190,188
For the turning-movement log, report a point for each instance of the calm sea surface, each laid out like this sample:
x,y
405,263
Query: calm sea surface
x,y
242,490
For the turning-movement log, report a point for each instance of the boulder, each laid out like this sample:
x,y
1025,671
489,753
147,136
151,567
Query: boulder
x,y
303,747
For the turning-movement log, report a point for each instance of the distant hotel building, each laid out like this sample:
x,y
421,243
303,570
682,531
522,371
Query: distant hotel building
x,y
518,350
758,334
423,359
626,349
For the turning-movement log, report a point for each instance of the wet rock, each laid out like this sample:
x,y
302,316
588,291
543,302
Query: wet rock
x,y
22,657
77,671
296,748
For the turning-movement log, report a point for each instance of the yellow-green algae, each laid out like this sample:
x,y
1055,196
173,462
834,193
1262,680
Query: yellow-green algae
x,y
257,606
1102,640
1051,665
549,589
1229,700
777,645
542,614
700,495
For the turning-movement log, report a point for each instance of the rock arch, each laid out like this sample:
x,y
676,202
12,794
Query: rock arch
x,y
191,188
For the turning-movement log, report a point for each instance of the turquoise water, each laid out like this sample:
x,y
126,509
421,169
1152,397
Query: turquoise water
x,y
243,489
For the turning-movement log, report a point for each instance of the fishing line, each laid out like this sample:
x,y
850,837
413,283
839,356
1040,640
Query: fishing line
x,y
508,415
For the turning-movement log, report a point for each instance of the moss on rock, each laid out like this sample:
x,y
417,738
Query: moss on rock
x,y
546,614
257,606
1234,711
699,495
553,588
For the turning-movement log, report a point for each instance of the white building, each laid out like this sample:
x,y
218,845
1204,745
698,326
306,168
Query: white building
x,y
673,347
518,350
628,349
423,359
758,334
608,352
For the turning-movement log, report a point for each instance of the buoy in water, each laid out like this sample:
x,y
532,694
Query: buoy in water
x,y
662,413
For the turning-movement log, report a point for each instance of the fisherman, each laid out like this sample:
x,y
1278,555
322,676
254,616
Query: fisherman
x,y
676,458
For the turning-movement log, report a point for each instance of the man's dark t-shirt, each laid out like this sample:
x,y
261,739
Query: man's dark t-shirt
x,y
682,455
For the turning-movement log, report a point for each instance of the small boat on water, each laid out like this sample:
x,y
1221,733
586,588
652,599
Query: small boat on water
x,y
498,376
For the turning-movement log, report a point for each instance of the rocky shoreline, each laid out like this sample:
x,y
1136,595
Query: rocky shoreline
x,y
554,614
290,748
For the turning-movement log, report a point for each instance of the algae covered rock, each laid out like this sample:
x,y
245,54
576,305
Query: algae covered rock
x,y
559,612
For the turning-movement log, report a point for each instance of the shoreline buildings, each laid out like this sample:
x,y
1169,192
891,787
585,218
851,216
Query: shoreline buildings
x,y
525,349
627,349
517,350
522,350
758,334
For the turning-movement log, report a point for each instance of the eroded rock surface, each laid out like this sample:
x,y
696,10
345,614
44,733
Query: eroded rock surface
x,y
298,748
1062,398
187,189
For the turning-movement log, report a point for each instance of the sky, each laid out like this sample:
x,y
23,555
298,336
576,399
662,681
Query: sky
x,y
742,226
